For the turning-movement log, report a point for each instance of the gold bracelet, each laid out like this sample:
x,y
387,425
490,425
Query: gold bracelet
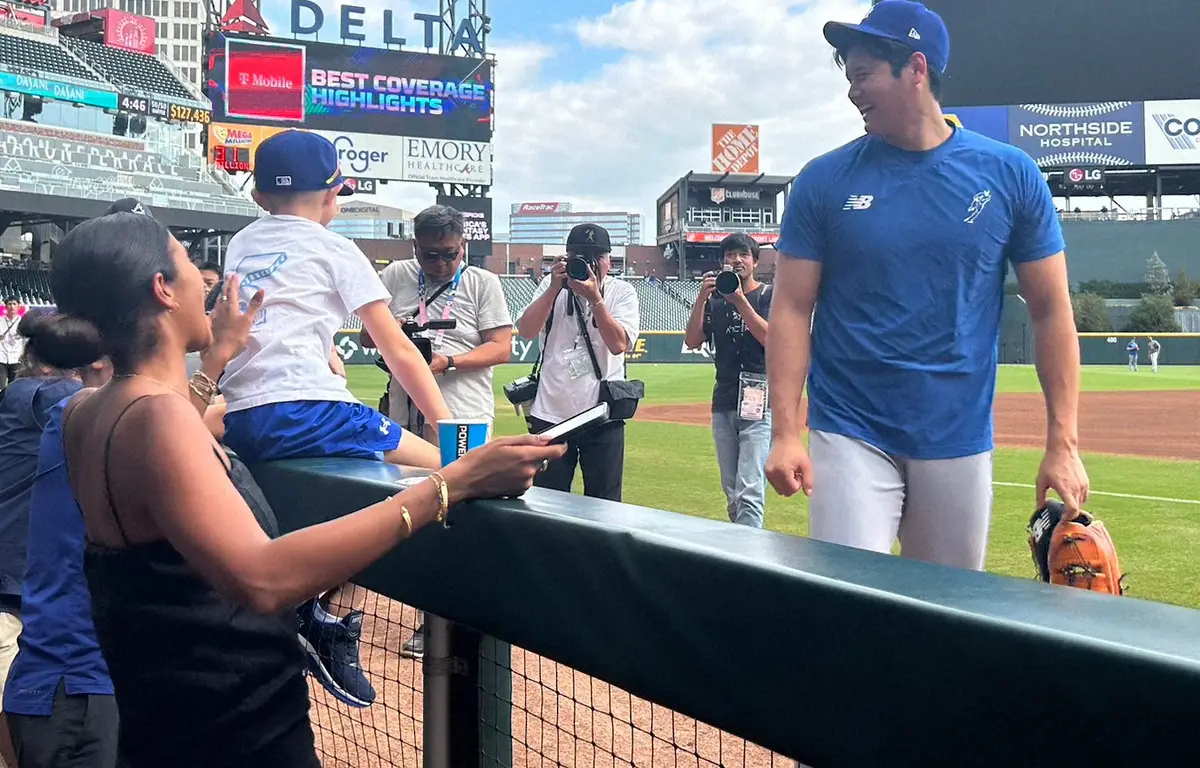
x,y
202,386
408,524
443,497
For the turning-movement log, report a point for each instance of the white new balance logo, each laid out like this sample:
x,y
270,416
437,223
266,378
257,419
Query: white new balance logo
x,y
858,202
914,34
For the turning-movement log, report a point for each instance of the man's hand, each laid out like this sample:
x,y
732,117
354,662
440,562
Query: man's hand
x,y
738,299
439,363
1062,470
789,468
558,274
707,287
588,290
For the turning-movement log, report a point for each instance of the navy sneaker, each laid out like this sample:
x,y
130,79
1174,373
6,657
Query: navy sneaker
x,y
332,648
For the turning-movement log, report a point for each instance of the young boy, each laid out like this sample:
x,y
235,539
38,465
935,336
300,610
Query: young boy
x,y
282,399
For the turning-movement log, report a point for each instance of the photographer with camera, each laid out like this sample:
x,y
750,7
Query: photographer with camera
x,y
586,322
731,314
457,317
455,314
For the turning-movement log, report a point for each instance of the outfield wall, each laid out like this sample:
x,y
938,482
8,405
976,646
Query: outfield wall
x,y
651,347
1016,347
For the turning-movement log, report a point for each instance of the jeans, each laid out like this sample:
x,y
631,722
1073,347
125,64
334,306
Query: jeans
x,y
742,448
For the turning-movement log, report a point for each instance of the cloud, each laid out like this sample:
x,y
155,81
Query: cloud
x,y
617,136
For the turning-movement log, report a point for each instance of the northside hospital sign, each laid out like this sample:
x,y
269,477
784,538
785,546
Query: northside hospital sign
x,y
308,18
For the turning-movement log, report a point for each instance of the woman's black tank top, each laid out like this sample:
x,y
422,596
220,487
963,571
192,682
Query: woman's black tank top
x,y
199,681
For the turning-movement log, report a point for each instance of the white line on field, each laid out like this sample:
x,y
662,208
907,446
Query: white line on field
x,y
1163,499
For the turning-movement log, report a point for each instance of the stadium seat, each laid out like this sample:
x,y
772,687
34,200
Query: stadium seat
x,y
42,59
129,69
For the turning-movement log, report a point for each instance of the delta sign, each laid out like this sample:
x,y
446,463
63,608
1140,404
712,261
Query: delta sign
x,y
307,17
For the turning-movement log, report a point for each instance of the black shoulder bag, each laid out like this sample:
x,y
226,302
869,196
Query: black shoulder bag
x,y
622,396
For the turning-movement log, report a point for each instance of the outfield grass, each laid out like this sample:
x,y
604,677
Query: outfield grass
x,y
673,467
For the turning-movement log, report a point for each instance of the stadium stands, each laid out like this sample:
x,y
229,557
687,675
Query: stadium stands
x,y
41,59
128,69
29,286
518,292
664,305
49,160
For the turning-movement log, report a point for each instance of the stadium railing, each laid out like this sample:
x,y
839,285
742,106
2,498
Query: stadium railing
x,y
644,637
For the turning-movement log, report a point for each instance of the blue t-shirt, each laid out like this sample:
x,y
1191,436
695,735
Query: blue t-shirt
x,y
23,413
914,248
58,639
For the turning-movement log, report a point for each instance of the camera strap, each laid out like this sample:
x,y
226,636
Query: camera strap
x,y
586,338
423,303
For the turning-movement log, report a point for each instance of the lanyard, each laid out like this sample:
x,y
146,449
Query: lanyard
x,y
422,309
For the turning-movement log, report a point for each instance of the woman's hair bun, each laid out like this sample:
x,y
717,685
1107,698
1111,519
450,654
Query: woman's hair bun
x,y
61,340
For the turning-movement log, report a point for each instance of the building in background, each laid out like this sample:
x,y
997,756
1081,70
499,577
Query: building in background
x,y
701,209
549,224
360,220
178,33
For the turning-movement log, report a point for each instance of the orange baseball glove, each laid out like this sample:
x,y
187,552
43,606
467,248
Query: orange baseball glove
x,y
1076,553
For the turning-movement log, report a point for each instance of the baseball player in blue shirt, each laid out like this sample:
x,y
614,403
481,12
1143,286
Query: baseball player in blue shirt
x,y
900,240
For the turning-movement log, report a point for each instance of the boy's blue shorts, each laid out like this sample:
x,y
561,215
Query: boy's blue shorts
x,y
311,429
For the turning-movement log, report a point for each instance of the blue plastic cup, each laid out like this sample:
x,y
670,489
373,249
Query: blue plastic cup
x,y
457,436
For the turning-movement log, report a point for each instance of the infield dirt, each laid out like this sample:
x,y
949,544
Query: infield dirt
x,y
1162,425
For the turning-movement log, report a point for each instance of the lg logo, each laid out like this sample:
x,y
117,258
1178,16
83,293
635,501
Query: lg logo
x,y
1085,175
359,160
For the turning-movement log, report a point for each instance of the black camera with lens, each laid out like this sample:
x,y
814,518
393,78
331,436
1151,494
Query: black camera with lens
x,y
728,281
578,266
424,345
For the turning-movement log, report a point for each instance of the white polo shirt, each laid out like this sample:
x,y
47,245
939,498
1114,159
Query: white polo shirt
x,y
559,395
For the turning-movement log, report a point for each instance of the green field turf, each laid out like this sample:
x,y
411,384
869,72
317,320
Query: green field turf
x,y
674,467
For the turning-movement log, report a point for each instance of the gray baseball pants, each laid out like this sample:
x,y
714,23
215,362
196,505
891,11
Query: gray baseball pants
x,y
940,510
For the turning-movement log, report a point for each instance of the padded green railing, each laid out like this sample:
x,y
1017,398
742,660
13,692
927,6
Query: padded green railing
x,y
829,655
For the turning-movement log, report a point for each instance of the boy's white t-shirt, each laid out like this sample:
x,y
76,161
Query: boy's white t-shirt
x,y
313,279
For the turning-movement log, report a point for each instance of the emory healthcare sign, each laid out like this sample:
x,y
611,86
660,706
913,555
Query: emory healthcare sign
x,y
735,148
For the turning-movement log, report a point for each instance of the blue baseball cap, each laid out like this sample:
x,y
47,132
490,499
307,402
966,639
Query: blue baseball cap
x,y
903,21
298,161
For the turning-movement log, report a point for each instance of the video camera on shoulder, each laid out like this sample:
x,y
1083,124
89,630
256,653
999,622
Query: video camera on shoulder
x,y
425,345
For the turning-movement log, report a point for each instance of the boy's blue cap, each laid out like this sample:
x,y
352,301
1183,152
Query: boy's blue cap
x,y
903,21
298,161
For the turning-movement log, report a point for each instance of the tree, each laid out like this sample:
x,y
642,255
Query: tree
x,y
1157,279
1091,313
1154,314
1186,289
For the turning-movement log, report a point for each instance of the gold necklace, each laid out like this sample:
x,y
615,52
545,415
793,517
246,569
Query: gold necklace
x,y
152,379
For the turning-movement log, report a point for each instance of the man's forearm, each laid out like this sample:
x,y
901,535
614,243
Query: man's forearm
x,y
533,319
694,333
789,345
1056,357
487,355
755,323
611,331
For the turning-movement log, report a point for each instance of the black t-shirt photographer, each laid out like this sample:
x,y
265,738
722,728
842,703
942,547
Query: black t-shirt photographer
x,y
735,350
734,324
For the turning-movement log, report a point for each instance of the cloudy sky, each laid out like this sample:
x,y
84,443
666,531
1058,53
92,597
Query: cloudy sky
x,y
605,103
